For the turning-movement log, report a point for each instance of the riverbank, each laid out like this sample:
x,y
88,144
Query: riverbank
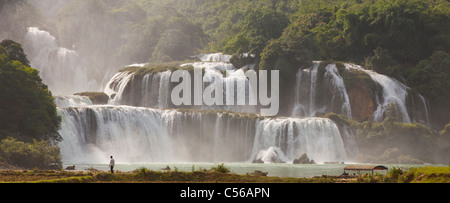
x,y
139,176
429,174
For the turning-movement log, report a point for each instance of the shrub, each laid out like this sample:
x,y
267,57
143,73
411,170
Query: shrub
x,y
394,174
38,154
221,168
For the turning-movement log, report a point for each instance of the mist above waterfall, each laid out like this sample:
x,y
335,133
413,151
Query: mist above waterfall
x,y
62,69
76,45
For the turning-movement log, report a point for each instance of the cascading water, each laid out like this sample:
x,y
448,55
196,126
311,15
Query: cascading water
x,y
320,93
136,134
199,135
131,134
60,68
339,92
116,86
393,92
319,138
321,89
214,66
153,90
72,101
164,87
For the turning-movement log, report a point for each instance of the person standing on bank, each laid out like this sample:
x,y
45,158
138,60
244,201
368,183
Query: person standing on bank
x,y
111,164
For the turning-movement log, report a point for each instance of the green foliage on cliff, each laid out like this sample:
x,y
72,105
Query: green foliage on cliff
x,y
26,104
28,117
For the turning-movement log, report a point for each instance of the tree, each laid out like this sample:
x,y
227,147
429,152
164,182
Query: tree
x,y
431,75
265,23
26,105
14,52
238,45
181,38
38,154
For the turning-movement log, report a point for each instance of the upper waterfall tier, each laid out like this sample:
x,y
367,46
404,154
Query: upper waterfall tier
x,y
348,89
154,89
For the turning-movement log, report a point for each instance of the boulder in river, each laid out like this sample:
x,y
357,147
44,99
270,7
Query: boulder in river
x,y
303,159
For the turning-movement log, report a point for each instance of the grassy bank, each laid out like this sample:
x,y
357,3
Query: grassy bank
x,y
429,174
217,175
142,175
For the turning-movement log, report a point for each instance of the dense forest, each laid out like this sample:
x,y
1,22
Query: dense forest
x,y
405,39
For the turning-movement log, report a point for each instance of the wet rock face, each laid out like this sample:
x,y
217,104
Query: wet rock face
x,y
361,102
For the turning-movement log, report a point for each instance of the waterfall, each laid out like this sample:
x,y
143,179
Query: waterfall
x,y
339,92
233,83
131,134
137,134
116,86
320,91
60,68
147,130
298,109
319,138
164,89
153,90
312,102
393,92
425,108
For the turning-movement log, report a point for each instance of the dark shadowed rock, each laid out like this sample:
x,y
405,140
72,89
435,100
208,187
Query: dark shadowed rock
x,y
303,159
98,98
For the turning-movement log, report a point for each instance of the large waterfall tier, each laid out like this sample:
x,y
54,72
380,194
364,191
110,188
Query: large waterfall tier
x,y
137,134
60,68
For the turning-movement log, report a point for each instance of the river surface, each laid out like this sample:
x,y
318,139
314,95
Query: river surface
x,y
278,170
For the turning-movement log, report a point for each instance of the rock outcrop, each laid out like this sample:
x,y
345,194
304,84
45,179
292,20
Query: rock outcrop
x,y
303,159
361,102
97,98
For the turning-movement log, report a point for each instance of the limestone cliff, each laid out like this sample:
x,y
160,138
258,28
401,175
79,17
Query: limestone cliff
x,y
361,102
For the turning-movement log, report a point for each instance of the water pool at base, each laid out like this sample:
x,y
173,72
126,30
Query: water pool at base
x,y
278,170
